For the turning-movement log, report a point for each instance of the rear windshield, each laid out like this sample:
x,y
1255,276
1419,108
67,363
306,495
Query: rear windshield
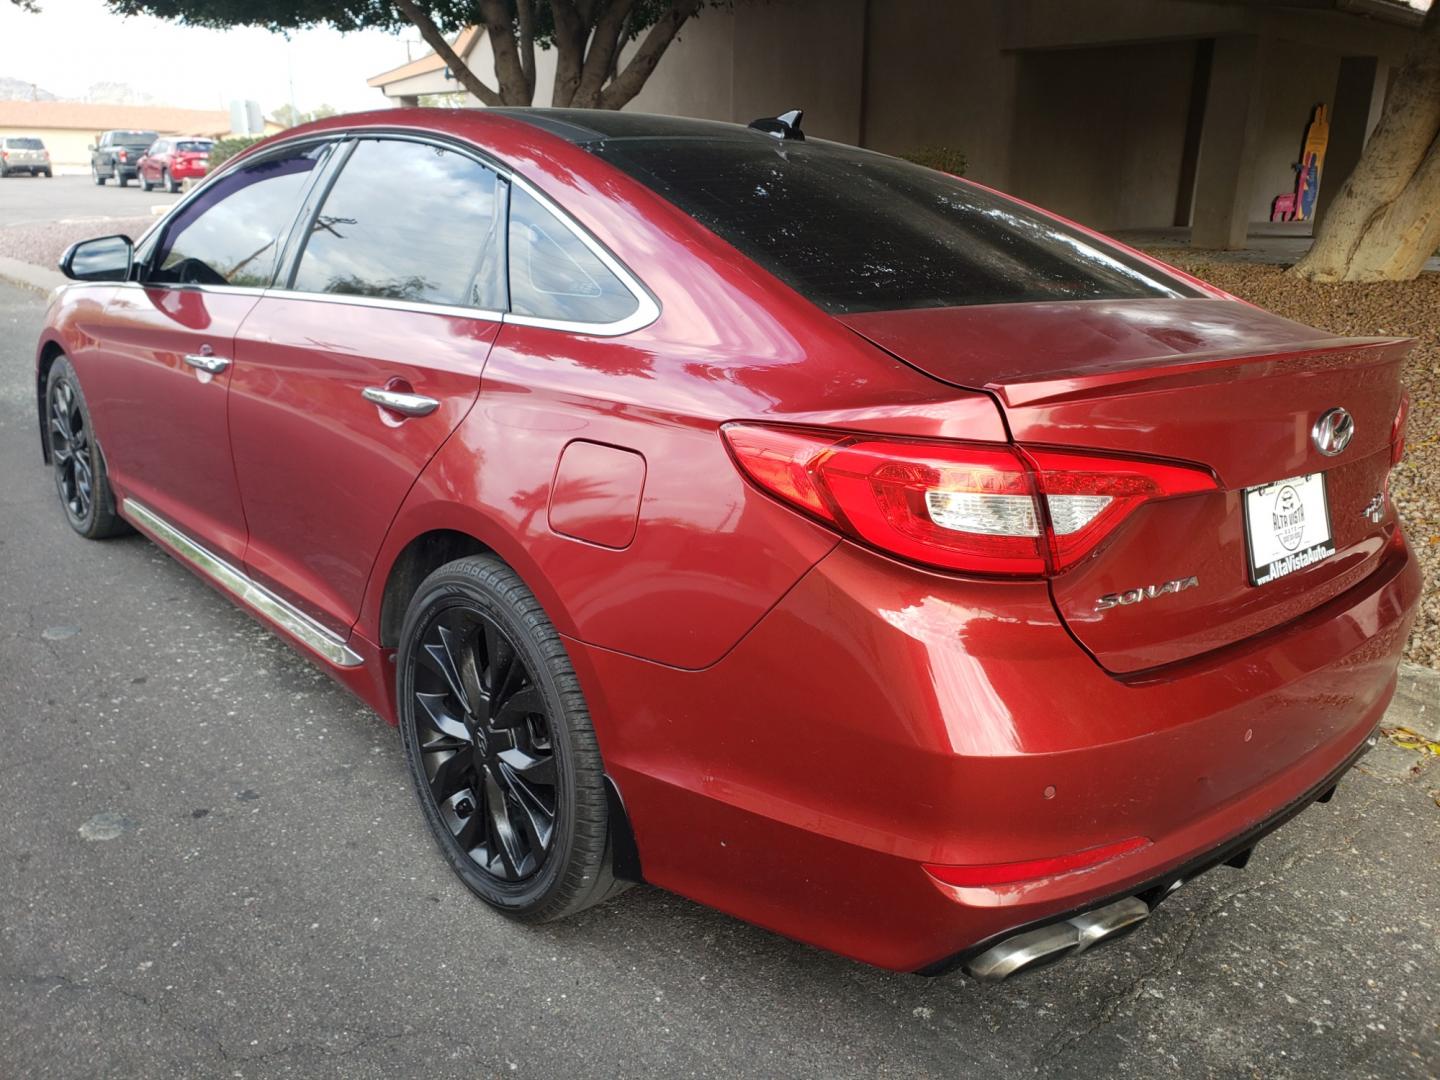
x,y
858,231
200,145
25,144
133,138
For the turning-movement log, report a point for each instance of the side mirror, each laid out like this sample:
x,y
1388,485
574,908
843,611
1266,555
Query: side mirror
x,y
106,258
91,148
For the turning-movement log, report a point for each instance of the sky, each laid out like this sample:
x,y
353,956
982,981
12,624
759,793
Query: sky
x,y
72,44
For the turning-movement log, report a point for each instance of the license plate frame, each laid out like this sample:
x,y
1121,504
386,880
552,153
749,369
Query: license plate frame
x,y
1287,527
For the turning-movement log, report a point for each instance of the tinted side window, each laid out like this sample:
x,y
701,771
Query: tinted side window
x,y
406,221
553,275
230,233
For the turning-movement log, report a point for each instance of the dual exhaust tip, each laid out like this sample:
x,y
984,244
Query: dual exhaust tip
x,y
1036,948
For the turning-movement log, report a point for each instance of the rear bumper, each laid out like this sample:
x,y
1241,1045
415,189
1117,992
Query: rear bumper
x,y
1235,851
879,718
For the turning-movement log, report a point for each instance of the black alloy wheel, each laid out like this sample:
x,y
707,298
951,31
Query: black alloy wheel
x,y
485,743
500,746
70,451
80,475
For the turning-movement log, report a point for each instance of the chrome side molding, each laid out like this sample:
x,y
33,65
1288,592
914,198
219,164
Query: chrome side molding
x,y
244,588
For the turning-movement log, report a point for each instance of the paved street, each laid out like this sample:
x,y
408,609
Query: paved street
x,y
26,200
211,864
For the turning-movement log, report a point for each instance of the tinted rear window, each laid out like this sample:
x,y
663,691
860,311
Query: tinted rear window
x,y
857,231
133,138
196,145
25,144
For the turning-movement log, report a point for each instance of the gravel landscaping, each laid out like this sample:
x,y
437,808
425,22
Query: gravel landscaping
x,y
44,242
1400,309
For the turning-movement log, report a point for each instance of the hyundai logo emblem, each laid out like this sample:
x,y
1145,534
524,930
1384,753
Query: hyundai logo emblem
x,y
1333,432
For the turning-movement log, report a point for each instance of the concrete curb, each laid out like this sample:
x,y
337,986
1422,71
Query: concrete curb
x,y
30,276
1417,701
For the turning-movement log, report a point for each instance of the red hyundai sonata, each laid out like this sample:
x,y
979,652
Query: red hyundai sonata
x,y
836,542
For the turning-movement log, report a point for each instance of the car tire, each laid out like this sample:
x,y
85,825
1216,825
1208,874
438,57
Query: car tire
x,y
121,179
500,747
95,172
81,479
169,182
145,184
49,175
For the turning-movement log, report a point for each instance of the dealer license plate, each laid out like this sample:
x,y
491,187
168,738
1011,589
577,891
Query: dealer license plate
x,y
1287,527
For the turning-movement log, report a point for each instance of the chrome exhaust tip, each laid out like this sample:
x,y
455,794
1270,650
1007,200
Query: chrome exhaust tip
x,y
1026,951
1045,945
1112,920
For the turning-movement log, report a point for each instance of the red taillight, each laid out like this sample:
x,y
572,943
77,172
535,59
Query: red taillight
x,y
972,507
989,874
122,155
1397,430
1087,495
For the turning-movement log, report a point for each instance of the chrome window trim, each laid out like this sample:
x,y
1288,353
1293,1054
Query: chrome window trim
x,y
189,286
244,588
388,302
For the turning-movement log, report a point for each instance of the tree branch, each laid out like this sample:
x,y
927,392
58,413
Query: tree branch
x,y
628,82
525,16
600,57
509,71
570,34
436,40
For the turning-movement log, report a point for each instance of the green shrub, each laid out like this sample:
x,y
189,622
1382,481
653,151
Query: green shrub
x,y
944,158
225,149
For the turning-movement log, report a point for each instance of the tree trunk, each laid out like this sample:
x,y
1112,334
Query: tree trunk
x,y
436,40
627,83
1385,222
588,35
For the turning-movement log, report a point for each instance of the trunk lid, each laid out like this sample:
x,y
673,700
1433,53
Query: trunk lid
x,y
1213,382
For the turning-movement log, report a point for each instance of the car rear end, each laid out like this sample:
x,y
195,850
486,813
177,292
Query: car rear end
x,y
190,158
1043,678
24,155
127,148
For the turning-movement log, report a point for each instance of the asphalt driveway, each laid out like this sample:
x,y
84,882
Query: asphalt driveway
x,y
211,865
26,200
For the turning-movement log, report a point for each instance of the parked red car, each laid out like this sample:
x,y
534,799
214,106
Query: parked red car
x,y
170,161
839,543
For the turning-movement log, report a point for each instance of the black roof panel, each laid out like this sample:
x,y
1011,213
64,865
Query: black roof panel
x,y
583,126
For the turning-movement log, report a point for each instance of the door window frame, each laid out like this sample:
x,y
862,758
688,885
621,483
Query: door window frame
x,y
283,284
149,243
322,179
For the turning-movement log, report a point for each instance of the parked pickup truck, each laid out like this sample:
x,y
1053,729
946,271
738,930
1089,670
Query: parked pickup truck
x,y
118,154
23,155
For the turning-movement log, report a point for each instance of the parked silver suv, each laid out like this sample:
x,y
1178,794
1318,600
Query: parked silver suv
x,y
21,154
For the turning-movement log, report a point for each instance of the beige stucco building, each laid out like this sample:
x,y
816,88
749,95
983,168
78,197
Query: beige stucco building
x,y
1120,113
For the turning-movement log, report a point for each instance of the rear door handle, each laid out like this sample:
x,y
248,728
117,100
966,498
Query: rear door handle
x,y
406,404
213,364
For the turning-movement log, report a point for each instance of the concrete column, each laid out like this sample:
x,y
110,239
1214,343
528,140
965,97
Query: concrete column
x,y
1359,100
1229,140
